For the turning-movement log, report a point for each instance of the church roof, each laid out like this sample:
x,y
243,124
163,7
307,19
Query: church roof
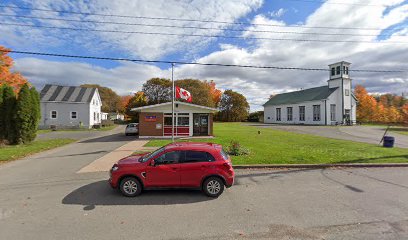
x,y
310,94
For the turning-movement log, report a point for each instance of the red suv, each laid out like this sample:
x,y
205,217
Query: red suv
x,y
202,166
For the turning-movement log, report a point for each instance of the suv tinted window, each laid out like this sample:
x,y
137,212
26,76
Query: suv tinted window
x,y
196,156
210,157
169,158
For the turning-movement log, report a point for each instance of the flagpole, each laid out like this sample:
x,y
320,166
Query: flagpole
x,y
172,103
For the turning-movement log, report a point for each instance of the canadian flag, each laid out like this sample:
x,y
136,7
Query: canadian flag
x,y
183,94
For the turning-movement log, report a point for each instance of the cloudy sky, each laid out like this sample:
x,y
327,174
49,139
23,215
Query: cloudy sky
x,y
371,34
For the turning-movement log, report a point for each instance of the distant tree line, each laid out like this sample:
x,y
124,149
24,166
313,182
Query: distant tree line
x,y
233,106
19,114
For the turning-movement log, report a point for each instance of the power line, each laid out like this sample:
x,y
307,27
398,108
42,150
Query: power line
x,y
195,63
192,27
199,35
339,3
179,19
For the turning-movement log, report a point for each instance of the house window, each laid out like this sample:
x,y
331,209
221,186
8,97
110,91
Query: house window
x,y
333,112
290,113
333,71
183,119
278,114
74,115
94,116
167,121
53,114
338,70
347,92
302,113
316,112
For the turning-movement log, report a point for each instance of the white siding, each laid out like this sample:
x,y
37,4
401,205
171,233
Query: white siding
x,y
64,114
270,113
95,110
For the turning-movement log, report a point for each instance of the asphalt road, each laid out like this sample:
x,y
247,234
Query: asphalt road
x,y
365,134
80,134
43,197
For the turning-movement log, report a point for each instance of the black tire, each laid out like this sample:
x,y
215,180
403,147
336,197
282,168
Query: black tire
x,y
126,134
130,187
213,187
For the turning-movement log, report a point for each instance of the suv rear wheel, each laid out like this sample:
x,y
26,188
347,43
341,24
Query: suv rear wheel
x,y
130,187
213,186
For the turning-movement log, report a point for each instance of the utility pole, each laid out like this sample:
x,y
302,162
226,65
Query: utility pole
x,y
172,103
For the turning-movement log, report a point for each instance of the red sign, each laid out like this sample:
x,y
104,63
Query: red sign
x,y
150,118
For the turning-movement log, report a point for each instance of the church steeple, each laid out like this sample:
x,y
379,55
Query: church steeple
x,y
338,72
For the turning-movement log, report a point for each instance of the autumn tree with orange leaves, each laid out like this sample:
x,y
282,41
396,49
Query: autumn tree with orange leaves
x,y
215,93
404,111
386,108
13,79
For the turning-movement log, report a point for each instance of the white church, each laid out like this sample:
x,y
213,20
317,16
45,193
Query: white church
x,y
334,104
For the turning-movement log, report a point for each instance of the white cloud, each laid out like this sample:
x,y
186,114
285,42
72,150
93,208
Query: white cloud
x,y
126,78
258,84
278,13
139,45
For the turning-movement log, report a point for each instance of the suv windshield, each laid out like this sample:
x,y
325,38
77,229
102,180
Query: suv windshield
x,y
148,156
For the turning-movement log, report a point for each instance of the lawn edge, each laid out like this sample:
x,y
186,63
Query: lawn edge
x,y
334,165
31,154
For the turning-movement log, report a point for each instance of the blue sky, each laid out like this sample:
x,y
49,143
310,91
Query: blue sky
x,y
380,27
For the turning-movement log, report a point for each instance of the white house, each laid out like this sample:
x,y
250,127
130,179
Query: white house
x,y
70,107
116,116
332,104
104,116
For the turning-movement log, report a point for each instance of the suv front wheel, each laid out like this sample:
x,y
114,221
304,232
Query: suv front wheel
x,y
130,187
213,186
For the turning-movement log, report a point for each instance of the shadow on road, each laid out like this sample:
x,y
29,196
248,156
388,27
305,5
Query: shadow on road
x,y
368,160
118,137
349,187
100,193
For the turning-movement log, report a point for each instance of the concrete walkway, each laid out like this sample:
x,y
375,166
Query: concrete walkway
x,y
105,162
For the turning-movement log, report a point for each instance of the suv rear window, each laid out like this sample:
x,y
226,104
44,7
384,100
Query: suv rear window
x,y
195,156
224,154
198,156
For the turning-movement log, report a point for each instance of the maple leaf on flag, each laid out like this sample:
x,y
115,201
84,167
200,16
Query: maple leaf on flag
x,y
183,94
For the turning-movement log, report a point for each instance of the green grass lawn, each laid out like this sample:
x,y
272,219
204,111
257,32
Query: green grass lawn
x,y
8,153
400,130
280,147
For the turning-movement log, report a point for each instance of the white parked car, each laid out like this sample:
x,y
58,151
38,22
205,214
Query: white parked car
x,y
132,129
